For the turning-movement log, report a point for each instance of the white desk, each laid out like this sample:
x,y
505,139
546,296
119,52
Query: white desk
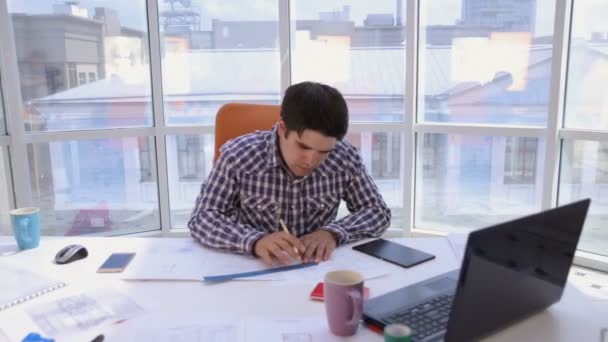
x,y
576,317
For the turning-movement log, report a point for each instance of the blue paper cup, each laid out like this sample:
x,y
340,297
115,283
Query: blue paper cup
x,y
26,227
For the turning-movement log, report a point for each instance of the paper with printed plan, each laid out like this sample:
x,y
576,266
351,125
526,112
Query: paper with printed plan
x,y
189,261
205,332
78,313
307,329
182,326
343,258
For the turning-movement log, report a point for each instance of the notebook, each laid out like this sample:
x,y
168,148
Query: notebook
x,y
19,285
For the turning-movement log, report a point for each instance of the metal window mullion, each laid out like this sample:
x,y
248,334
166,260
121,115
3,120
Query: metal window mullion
x,y
159,115
13,109
571,134
186,130
6,159
285,44
591,260
120,133
410,110
477,129
388,127
563,15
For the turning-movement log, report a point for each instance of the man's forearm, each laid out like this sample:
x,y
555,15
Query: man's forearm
x,y
364,223
215,230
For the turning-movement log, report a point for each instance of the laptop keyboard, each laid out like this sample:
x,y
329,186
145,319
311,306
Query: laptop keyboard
x,y
426,319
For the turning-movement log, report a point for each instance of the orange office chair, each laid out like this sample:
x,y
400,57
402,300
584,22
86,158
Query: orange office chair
x,y
235,119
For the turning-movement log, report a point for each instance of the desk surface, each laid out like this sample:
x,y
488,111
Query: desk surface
x,y
576,317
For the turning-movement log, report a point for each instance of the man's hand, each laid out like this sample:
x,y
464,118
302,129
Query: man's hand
x,y
281,246
318,245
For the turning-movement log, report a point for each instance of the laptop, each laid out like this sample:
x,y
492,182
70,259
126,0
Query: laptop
x,y
509,272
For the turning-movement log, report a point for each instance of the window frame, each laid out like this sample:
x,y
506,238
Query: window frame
x,y
410,129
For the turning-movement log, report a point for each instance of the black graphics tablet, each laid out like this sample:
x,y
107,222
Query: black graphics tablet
x,y
394,253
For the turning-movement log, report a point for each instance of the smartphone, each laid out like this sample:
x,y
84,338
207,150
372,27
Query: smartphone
x,y
394,253
116,263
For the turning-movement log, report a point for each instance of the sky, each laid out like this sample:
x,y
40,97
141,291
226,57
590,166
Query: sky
x,y
589,14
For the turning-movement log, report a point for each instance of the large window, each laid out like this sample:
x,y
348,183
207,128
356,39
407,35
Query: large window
x,y
356,46
359,48
586,101
59,44
189,161
84,65
584,163
583,175
464,112
485,61
468,182
381,155
94,186
214,53
483,66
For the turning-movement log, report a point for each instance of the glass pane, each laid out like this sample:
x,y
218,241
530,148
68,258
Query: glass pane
x,y
486,61
584,174
189,161
5,227
381,153
102,187
586,101
357,47
215,53
469,182
82,64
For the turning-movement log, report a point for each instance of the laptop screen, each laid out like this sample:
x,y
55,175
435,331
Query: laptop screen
x,y
513,270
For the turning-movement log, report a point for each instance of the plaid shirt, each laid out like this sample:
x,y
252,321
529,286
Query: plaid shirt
x,y
249,189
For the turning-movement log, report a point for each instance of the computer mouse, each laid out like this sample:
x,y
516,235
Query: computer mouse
x,y
70,253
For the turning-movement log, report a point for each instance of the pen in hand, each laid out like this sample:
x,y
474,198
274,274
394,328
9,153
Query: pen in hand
x,y
287,231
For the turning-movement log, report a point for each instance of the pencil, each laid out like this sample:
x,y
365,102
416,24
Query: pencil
x,y
287,231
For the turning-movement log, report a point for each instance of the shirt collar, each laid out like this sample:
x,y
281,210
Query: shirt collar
x,y
273,152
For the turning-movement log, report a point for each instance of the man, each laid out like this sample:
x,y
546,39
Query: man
x,y
293,176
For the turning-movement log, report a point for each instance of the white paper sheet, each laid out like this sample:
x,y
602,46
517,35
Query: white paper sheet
x,y
344,258
81,312
206,332
182,325
307,329
191,262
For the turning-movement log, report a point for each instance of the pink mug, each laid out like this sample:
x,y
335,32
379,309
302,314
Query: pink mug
x,y
343,291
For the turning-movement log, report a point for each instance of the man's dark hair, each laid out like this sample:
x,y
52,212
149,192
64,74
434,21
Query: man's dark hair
x,y
315,106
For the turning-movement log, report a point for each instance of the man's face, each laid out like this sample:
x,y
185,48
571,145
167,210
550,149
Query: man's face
x,y
303,153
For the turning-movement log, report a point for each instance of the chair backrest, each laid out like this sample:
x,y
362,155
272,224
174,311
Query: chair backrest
x,y
235,119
